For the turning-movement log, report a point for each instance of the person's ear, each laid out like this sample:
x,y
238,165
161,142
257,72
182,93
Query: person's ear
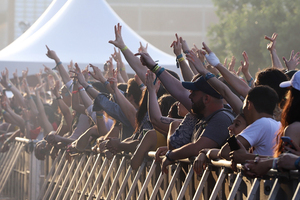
x,y
206,99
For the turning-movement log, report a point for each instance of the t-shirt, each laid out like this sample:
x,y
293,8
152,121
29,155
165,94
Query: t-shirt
x,y
261,135
214,126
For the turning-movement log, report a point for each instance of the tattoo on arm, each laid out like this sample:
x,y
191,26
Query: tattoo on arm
x,y
166,120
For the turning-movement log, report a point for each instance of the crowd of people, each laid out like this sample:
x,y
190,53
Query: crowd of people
x,y
108,112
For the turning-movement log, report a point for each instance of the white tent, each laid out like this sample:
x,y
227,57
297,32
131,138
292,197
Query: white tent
x,y
79,31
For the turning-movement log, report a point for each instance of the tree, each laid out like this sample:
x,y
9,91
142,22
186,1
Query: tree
x,y
243,24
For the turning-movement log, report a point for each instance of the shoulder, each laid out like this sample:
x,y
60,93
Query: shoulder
x,y
292,128
223,115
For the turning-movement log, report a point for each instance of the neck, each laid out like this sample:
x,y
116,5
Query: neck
x,y
257,116
211,109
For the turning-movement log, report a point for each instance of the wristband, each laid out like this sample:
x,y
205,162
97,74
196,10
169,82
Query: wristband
x,y
87,87
60,97
186,51
9,86
124,48
122,69
158,74
212,59
99,117
168,156
74,92
249,82
297,163
179,56
142,85
180,59
274,164
59,63
106,83
208,76
81,87
155,68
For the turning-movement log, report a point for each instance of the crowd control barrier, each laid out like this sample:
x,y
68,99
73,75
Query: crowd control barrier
x,y
90,176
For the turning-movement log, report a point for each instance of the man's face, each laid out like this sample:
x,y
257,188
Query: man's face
x,y
197,101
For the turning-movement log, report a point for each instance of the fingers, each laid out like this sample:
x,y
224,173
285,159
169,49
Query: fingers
x,y
47,48
206,48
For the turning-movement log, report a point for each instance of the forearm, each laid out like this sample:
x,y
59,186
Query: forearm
x,y
17,118
33,109
128,146
241,87
186,71
185,151
92,92
45,122
66,113
276,63
193,68
123,71
18,96
87,101
62,71
101,124
8,118
120,78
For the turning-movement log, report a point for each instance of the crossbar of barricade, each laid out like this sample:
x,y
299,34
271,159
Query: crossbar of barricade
x,y
93,176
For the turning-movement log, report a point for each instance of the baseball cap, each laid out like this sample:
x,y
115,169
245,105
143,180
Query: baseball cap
x,y
201,84
294,82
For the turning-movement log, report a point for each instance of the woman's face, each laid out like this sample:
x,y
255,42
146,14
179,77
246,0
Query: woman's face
x,y
239,124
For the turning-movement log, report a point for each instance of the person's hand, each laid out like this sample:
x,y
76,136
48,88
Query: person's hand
x,y
97,74
200,53
271,45
143,49
287,161
118,42
47,70
85,73
176,44
113,145
292,63
78,74
15,74
51,54
293,151
113,83
117,55
232,64
192,57
238,155
211,58
185,47
200,163
71,66
146,60
165,163
4,80
149,79
25,85
25,72
39,76
39,87
161,151
257,167
245,63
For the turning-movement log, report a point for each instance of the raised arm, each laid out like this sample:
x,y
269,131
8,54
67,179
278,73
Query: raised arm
x,y
120,65
158,121
133,61
186,50
186,71
276,63
241,87
62,71
173,85
292,63
219,86
33,109
47,70
245,70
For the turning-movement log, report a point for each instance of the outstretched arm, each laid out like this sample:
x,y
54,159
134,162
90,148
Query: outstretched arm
x,y
245,70
133,61
276,63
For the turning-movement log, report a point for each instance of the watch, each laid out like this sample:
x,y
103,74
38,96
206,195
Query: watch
x,y
168,156
209,75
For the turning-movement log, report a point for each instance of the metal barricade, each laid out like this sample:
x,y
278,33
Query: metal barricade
x,y
93,176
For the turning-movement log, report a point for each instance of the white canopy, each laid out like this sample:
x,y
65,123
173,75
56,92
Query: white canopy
x,y
79,31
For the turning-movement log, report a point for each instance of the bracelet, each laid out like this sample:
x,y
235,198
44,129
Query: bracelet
x,y
179,56
3,111
155,68
122,69
297,163
208,76
74,92
142,85
59,63
99,117
106,83
180,59
158,74
82,89
87,87
168,156
9,86
60,97
79,88
124,48
186,51
99,114
249,82
274,164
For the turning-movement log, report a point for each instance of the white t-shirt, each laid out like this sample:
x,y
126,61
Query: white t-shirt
x,y
261,135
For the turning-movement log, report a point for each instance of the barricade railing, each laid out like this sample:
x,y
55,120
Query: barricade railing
x,y
93,176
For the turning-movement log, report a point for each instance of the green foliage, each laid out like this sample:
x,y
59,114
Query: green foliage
x,y
244,23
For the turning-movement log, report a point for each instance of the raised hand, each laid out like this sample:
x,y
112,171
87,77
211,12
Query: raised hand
x,y
211,58
146,60
55,89
192,57
39,87
231,65
271,45
78,74
177,46
292,63
113,82
118,42
51,54
25,72
143,49
15,74
185,47
149,81
97,74
117,55
245,63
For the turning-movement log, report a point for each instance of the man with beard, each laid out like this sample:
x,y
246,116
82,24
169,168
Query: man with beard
x,y
202,100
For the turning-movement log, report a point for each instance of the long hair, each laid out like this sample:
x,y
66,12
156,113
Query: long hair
x,y
290,114
140,114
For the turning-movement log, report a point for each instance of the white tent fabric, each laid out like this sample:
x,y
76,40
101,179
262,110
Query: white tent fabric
x,y
79,31
52,9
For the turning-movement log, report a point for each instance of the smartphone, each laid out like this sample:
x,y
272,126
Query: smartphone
x,y
287,142
233,144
